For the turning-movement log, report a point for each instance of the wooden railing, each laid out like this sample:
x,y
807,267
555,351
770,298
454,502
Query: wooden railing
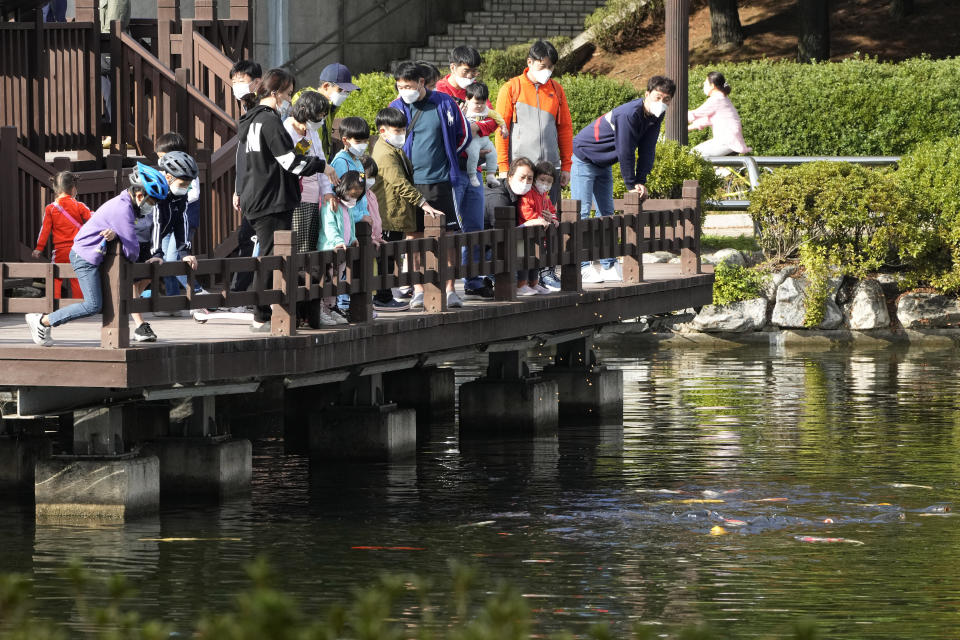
x,y
670,225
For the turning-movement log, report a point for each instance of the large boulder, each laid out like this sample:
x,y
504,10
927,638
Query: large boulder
x,y
730,256
737,317
791,305
868,307
775,280
927,310
657,257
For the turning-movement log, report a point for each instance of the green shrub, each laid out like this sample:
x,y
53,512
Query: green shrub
x,y
620,24
377,90
590,97
929,179
733,283
855,107
510,62
673,164
838,218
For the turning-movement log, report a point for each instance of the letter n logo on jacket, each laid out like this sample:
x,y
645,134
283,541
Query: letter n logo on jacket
x,y
253,137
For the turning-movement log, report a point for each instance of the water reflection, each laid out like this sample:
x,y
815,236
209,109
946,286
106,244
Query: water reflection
x,y
613,521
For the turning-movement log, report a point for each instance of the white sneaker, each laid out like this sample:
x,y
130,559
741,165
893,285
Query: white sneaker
x,y
39,333
591,275
327,319
417,301
541,290
338,316
453,300
525,290
613,274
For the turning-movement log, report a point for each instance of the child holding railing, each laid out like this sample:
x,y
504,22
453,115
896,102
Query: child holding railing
x,y
338,231
62,219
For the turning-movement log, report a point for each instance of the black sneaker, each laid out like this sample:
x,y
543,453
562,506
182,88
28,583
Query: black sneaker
x,y
485,291
390,305
144,333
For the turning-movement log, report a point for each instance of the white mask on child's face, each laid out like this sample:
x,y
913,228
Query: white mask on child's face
x,y
542,75
350,203
241,89
180,190
409,95
395,139
544,187
314,126
357,150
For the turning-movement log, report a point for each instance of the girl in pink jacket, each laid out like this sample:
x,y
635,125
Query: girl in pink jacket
x,y
718,112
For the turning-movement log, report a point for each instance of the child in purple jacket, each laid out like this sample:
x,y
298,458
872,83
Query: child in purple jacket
x,y
115,219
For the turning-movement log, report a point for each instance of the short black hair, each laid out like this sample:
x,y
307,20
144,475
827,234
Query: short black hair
x,y
408,70
663,84
348,181
170,141
355,128
545,168
477,91
369,166
430,71
391,117
311,106
248,67
542,49
465,55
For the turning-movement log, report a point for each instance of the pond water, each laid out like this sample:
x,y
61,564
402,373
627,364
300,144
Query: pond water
x,y
605,522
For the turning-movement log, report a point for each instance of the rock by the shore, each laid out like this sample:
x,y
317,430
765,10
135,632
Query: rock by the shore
x,y
927,310
868,307
730,256
775,280
737,317
657,257
791,305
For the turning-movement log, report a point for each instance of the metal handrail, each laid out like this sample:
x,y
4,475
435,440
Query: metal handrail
x,y
753,163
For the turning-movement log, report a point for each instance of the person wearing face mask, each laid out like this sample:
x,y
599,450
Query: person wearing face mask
x,y
270,182
628,135
304,124
245,76
355,137
336,85
718,112
536,110
338,231
113,220
518,182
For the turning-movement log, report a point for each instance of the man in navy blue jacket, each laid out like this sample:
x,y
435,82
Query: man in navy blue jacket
x,y
628,135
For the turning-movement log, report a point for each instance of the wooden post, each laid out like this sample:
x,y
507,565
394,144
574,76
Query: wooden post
x,y
86,11
690,249
240,10
505,287
91,103
361,302
677,65
204,159
116,288
205,10
632,259
36,73
168,16
9,195
283,321
434,294
186,45
571,279
120,81
186,123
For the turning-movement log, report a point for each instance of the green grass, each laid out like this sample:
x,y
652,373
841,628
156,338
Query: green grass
x,y
711,243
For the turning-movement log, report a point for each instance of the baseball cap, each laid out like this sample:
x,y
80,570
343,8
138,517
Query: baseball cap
x,y
339,75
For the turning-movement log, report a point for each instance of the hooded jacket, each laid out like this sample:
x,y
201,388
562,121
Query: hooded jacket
x,y
272,169
539,121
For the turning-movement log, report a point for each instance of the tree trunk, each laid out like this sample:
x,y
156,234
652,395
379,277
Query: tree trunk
x,y
899,9
725,29
814,41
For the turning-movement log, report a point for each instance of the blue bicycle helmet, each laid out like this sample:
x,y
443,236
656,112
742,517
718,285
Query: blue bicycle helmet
x,y
152,181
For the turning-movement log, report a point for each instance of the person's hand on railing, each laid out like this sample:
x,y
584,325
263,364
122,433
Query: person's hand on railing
x,y
339,247
36,254
332,176
192,261
642,190
564,178
427,208
154,260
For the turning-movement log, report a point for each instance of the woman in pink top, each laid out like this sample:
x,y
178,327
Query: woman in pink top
x,y
718,112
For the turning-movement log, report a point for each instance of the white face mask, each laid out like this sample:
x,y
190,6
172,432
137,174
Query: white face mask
x,y
350,203
707,87
314,126
542,75
409,95
241,89
544,187
180,190
339,98
357,150
147,209
521,188
284,109
371,182
463,83
395,139
657,109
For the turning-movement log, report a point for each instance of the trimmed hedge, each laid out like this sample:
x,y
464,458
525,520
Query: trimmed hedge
x,y
855,107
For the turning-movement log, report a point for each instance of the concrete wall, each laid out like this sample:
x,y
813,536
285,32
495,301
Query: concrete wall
x,y
376,31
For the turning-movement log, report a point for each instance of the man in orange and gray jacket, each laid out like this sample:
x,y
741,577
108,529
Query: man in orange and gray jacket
x,y
535,108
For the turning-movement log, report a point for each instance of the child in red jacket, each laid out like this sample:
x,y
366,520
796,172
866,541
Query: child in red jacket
x,y
63,218
536,209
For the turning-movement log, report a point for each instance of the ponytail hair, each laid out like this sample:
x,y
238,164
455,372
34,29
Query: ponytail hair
x,y
717,80
274,81
63,182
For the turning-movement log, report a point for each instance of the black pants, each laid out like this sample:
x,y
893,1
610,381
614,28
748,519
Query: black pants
x,y
242,280
386,295
265,226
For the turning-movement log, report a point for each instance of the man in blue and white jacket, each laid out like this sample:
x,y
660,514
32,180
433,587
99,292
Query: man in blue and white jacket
x,y
628,135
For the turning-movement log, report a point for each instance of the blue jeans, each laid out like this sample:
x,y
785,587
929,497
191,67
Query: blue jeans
x,y
172,284
470,201
88,276
592,185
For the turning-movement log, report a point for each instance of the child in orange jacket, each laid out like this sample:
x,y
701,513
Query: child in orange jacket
x,y
63,219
